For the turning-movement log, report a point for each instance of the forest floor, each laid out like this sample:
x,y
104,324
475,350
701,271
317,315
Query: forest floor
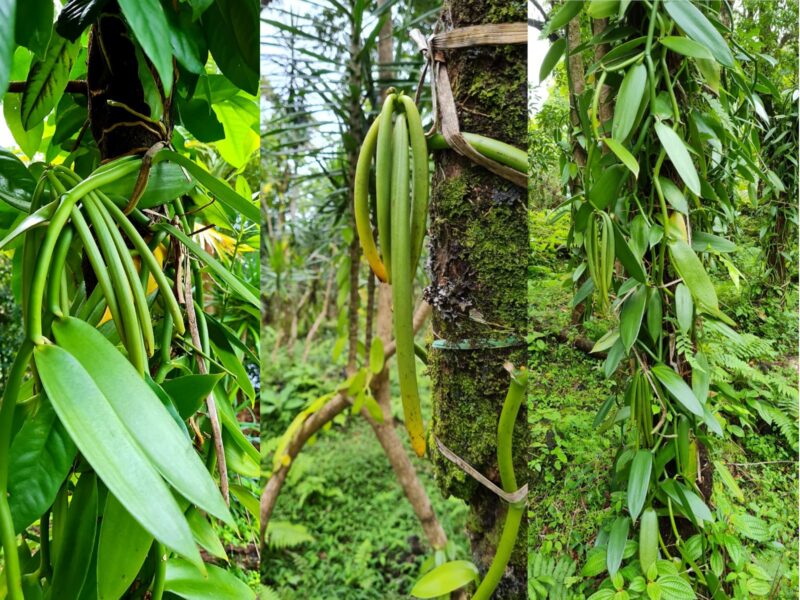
x,y
570,495
342,526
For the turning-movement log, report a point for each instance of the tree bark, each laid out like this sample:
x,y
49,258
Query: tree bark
x,y
479,260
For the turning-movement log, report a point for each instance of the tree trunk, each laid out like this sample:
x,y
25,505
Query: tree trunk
x,y
479,261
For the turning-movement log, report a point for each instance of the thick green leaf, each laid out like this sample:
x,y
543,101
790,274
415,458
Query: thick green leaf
x,y
376,357
687,500
639,481
685,46
8,10
602,9
627,257
694,276
224,352
76,16
678,388
622,153
122,550
239,118
701,377
40,459
72,563
552,57
186,38
684,307
34,24
166,182
199,7
605,190
189,392
196,115
679,156
654,314
695,24
565,13
232,29
673,195
106,444
248,500
238,460
629,99
703,242
69,122
143,414
27,140
47,80
630,318
616,544
445,578
148,22
223,192
16,182
184,580
204,533
212,263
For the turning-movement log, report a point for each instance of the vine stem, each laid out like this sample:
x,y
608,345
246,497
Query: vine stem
x,y
505,461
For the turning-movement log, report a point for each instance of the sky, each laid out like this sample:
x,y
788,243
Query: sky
x,y
537,48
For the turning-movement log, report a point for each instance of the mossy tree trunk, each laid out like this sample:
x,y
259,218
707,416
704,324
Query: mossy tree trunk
x,y
478,266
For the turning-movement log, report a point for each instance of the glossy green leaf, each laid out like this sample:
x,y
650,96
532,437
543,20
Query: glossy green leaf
x,y
639,481
248,500
204,533
679,156
710,71
629,99
373,408
623,155
550,60
8,10
703,242
687,500
185,581
69,122
224,352
445,578
232,31
605,190
118,563
190,392
40,459
16,182
616,544
108,447
691,270
648,539
148,22
678,388
166,182
72,563
237,459
673,195
28,141
630,317
143,415
695,24
684,307
376,357
202,122
564,15
602,9
221,191
626,256
239,118
654,314
212,263
685,46
76,16
186,38
34,25
199,7
701,377
47,81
